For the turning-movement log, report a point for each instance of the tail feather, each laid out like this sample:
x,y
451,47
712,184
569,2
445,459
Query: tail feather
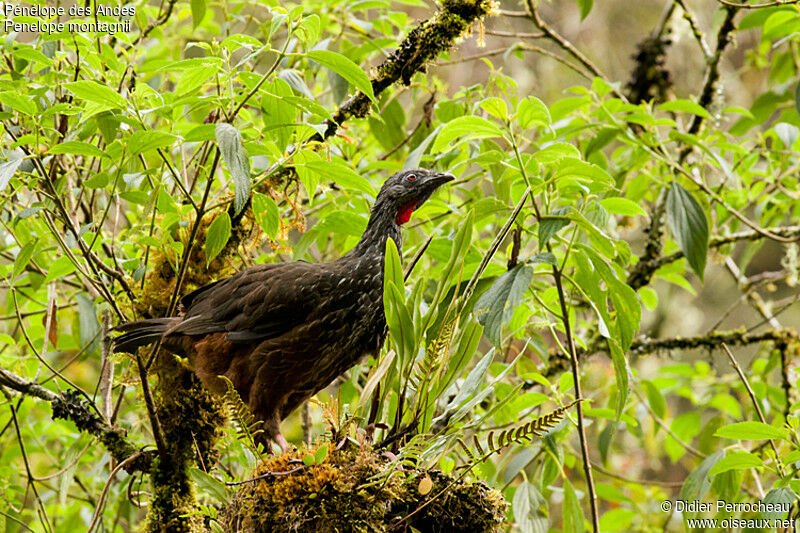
x,y
140,333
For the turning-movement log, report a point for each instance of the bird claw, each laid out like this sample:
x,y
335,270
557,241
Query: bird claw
x,y
281,442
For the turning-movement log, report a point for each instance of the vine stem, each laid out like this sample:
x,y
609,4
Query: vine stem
x,y
573,356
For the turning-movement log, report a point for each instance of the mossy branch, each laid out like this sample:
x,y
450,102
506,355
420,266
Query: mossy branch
x,y
421,46
70,405
645,268
712,340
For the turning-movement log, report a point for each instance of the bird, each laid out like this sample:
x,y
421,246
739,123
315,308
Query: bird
x,y
281,332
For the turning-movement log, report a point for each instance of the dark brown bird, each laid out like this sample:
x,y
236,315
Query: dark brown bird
x,y
283,331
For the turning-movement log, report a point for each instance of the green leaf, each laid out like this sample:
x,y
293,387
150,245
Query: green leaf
x,y
618,519
266,212
24,257
398,317
495,107
94,92
218,234
545,258
321,454
210,485
550,224
233,153
571,512
198,12
144,140
401,326
585,7
90,326
191,79
684,106
697,484
527,507
502,299
295,81
532,111
77,148
341,174
655,398
393,267
621,375
7,171
736,461
308,459
469,127
781,499
61,267
345,68
751,431
18,103
277,113
621,206
689,226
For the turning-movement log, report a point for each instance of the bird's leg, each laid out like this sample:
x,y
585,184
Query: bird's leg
x,y
281,442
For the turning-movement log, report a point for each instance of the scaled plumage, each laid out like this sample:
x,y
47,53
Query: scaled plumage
x,y
283,331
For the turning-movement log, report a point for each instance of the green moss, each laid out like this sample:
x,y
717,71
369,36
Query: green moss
x,y
351,491
190,418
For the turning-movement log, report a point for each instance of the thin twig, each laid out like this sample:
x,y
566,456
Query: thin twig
x,y
758,6
756,404
99,510
568,47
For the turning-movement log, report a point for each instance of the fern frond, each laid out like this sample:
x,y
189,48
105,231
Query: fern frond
x,y
247,427
517,435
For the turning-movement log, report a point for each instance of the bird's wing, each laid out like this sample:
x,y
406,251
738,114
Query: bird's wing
x,y
258,303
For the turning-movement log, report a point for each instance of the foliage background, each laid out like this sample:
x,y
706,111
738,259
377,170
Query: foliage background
x,y
637,157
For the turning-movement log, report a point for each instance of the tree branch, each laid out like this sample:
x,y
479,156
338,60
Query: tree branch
x,y
69,405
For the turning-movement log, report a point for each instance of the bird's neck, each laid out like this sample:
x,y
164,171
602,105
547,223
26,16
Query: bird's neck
x,y
381,226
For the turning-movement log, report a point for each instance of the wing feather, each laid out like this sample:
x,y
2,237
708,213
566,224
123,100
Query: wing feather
x,y
261,302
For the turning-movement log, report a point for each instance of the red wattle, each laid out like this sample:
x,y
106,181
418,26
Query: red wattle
x,y
405,213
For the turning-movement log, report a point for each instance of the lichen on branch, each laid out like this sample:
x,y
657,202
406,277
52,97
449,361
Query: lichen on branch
x,y
421,46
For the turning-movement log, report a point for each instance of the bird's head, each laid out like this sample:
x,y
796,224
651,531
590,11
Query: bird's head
x,y
408,189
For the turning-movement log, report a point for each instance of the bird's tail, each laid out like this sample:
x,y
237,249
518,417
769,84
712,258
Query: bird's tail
x,y
140,333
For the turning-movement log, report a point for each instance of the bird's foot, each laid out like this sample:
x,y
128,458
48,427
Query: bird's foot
x,y
280,440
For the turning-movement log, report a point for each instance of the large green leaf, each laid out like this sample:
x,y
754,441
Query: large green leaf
x,y
7,170
95,92
532,111
233,153
77,148
266,212
689,226
218,234
550,224
736,461
751,431
144,140
502,299
345,68
198,11
90,326
469,127
697,483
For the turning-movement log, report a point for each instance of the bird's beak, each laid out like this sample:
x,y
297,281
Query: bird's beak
x,y
435,180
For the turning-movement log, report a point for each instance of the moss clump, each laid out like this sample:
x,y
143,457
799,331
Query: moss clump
x,y
351,491
159,283
190,418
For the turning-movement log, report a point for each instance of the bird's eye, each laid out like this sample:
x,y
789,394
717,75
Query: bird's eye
x,y
412,177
